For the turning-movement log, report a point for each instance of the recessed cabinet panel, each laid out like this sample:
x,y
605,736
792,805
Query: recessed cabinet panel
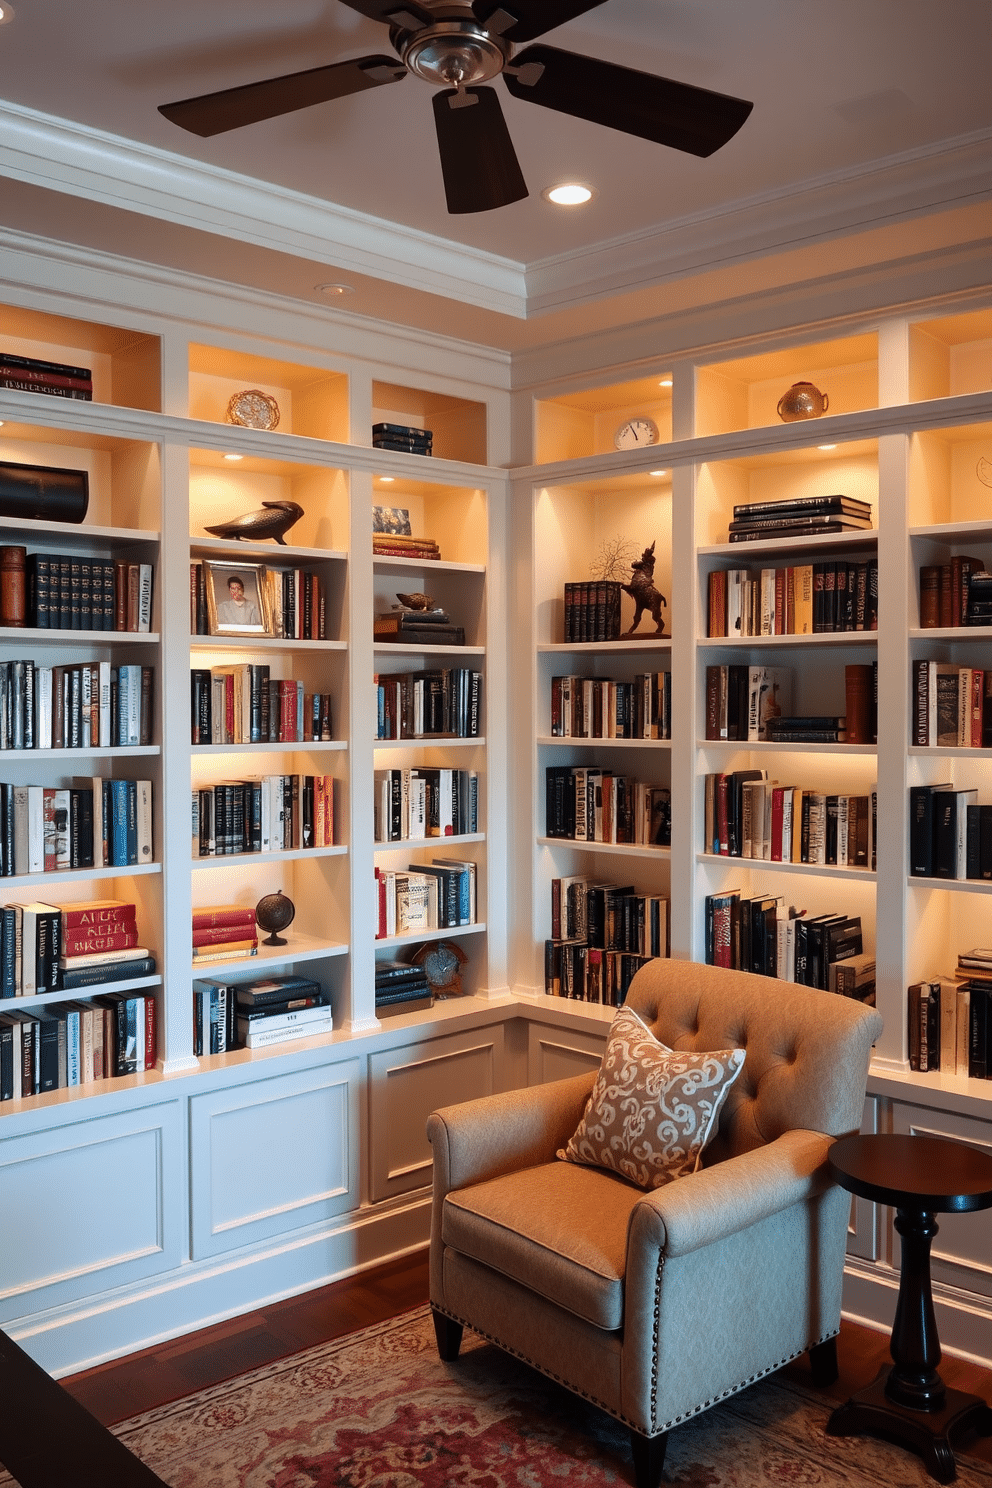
x,y
950,475
125,365
559,1053
312,401
89,1205
222,488
961,1254
458,425
408,1083
950,356
272,1155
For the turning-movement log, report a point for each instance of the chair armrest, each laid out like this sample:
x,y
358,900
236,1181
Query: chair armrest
x,y
497,1134
708,1206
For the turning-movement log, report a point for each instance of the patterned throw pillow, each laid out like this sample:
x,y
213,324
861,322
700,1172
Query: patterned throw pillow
x,y
652,1109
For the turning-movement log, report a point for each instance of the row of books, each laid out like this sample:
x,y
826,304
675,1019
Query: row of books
x,y
595,805
54,948
592,611
402,986
58,379
602,708
425,802
441,703
257,1014
950,833
222,932
53,592
587,974
753,703
428,896
766,936
400,545
417,628
746,815
952,706
297,603
955,593
405,437
949,1026
800,516
246,705
76,1043
807,599
275,813
95,822
608,916
93,705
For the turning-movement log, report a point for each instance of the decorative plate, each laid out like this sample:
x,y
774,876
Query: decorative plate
x,y
253,410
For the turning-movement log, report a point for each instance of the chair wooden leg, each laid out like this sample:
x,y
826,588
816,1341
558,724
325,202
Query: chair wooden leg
x,y
823,1362
448,1335
649,1458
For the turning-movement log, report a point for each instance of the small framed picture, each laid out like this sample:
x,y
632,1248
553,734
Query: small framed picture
x,y
394,519
237,599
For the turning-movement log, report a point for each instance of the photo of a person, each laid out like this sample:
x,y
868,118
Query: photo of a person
x,y
237,599
237,610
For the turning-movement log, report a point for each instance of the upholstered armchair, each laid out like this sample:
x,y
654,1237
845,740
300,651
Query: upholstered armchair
x,y
658,1303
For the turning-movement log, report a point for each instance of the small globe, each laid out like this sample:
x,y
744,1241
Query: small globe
x,y
274,912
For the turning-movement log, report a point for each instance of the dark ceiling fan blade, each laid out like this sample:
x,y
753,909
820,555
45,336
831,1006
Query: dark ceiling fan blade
x,y
478,161
409,14
654,108
529,18
213,113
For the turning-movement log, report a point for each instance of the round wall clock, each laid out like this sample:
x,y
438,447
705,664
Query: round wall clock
x,y
442,963
636,433
253,410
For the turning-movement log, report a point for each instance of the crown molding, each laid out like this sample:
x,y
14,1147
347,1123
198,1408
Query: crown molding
x,y
59,155
949,174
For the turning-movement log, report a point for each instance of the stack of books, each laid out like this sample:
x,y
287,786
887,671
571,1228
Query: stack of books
x,y
254,1015
414,705
399,545
277,813
955,593
404,437
428,896
402,986
223,932
65,1044
100,943
246,705
803,516
93,823
418,627
28,375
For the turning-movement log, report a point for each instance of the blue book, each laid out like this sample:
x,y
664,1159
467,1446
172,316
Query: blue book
x,y
132,822
118,823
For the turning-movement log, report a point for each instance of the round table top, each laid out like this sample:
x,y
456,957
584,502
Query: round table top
x,y
927,1174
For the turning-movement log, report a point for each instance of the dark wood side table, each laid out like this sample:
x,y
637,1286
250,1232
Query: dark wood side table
x,y
909,1402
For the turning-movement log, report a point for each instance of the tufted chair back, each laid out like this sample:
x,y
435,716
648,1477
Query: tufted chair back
x,y
807,1051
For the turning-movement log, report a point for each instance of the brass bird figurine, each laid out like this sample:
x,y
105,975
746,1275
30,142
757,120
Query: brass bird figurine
x,y
416,601
275,518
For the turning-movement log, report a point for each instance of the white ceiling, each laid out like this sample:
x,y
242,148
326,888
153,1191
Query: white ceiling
x,y
866,112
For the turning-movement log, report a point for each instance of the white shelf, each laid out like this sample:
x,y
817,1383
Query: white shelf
x,y
408,844
625,849
307,745
283,557
82,994
952,633
287,855
298,948
383,648
824,542
383,564
558,740
447,740
448,933
87,638
768,746
661,644
73,875
128,751
818,870
825,638
952,885
261,644
84,533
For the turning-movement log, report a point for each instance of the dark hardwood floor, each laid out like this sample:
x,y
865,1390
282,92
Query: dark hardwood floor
x,y
114,1391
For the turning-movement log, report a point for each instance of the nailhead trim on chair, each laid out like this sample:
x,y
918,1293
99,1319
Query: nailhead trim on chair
x,y
618,1415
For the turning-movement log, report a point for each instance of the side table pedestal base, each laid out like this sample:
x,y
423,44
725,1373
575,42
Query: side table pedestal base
x,y
927,1433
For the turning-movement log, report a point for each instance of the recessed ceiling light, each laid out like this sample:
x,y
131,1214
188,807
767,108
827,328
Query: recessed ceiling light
x,y
333,291
665,382
659,472
569,194
386,480
6,12
826,446
234,457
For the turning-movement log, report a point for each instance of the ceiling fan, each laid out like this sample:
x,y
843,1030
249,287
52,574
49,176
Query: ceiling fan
x,y
456,44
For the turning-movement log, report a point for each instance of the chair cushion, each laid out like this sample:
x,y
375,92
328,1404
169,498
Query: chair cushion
x,y
652,1109
558,1229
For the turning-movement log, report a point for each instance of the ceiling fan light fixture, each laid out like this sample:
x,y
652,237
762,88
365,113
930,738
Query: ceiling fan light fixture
x,y
569,194
6,12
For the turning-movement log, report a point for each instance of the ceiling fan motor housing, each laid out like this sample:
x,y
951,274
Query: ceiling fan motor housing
x,y
454,51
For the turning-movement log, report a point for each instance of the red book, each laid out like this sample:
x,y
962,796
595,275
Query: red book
x,y
722,829
977,694
227,915
778,793
89,942
222,934
94,912
287,712
229,733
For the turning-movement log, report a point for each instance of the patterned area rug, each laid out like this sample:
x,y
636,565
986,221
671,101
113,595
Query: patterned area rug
x,y
377,1409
